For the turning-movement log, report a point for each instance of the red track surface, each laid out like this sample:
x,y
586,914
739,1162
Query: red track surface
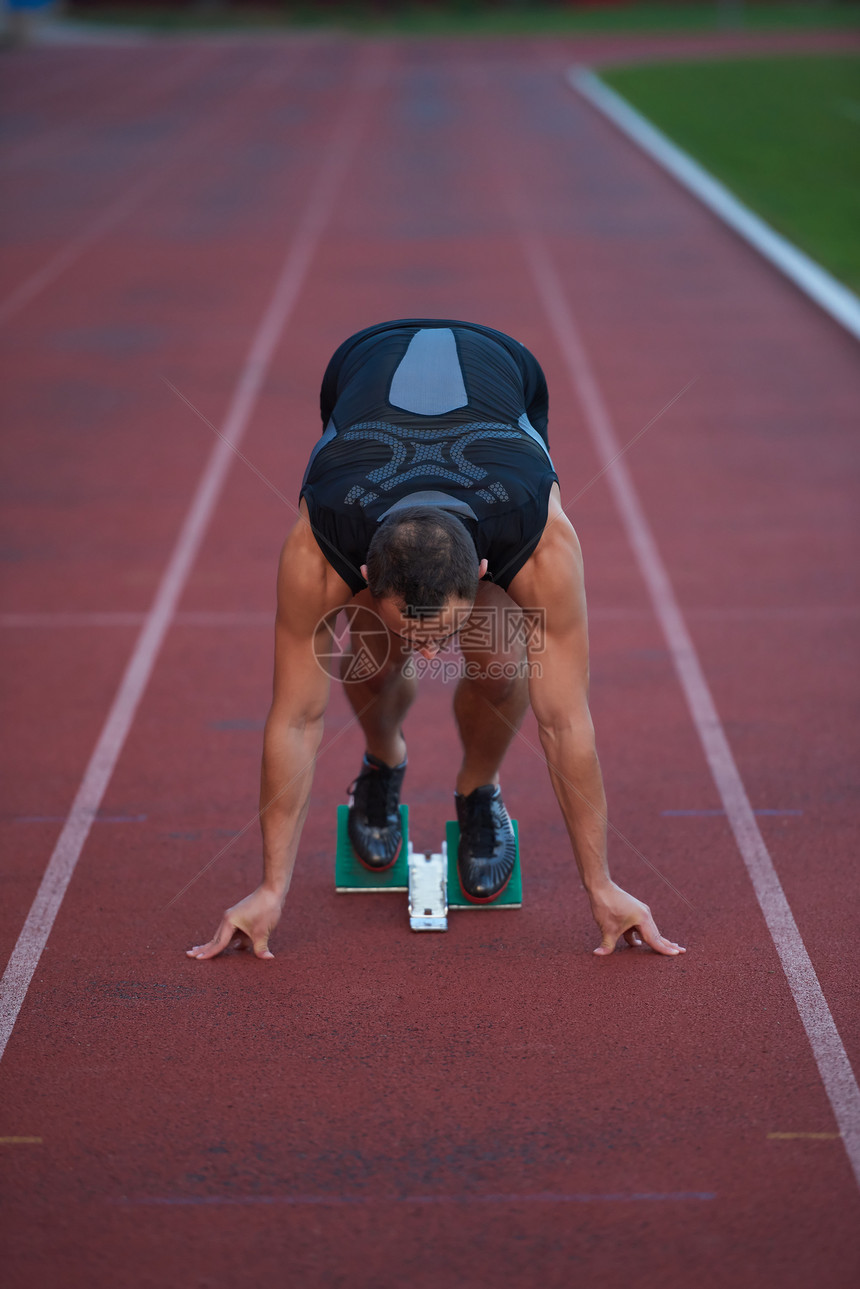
x,y
374,1108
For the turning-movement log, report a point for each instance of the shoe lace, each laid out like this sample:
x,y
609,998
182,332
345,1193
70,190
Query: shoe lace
x,y
482,827
373,796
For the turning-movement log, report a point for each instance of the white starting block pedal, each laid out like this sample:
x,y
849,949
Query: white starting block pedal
x,y
428,891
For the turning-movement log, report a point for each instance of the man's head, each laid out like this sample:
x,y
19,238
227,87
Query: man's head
x,y
423,571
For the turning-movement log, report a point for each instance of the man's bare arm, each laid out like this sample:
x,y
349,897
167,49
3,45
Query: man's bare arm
x,y
553,581
308,590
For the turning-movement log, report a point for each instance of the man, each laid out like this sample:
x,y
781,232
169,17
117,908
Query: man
x,y
430,506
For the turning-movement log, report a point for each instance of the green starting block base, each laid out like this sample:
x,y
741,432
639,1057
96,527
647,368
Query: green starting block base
x,y
510,898
352,878
350,875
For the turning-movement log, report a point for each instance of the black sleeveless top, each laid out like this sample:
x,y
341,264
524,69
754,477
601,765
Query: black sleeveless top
x,y
431,412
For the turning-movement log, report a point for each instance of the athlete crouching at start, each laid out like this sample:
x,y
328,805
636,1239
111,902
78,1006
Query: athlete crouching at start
x,y
430,508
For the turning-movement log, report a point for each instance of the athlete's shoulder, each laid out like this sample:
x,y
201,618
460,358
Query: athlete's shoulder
x,y
308,585
555,567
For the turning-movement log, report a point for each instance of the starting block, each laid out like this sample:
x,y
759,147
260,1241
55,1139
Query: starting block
x,y
431,881
350,875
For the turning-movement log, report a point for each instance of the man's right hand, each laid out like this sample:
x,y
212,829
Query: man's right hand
x,y
619,914
247,925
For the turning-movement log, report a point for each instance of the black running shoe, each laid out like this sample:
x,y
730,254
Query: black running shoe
x,y
373,822
488,848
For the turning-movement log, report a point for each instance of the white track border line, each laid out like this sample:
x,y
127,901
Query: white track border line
x,y
37,928
836,300
827,1047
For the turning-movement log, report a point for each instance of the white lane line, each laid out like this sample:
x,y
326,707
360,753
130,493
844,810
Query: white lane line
x,y
813,280
828,1049
802,614
189,618
37,928
53,621
327,1201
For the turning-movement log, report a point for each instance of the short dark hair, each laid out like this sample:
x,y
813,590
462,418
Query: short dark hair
x,y
422,557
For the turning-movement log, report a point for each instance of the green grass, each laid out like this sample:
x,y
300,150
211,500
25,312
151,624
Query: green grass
x,y
782,133
479,17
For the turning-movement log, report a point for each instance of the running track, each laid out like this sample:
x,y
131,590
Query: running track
x,y
377,1108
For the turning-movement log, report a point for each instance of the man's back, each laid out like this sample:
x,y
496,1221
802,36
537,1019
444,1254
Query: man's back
x,y
449,410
